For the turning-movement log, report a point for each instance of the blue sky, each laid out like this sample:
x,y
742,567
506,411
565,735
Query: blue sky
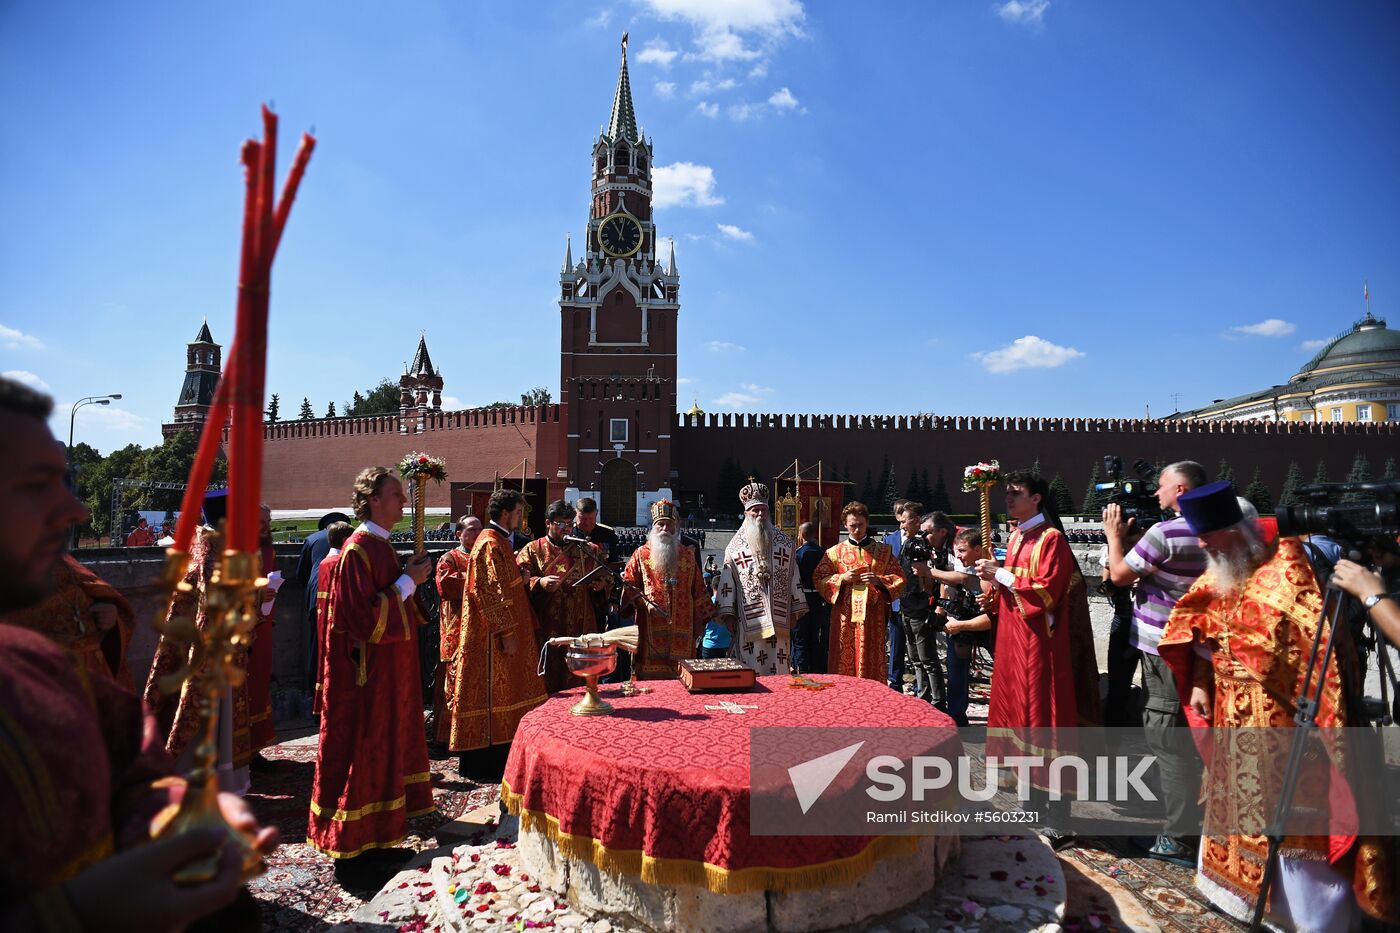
x,y
966,208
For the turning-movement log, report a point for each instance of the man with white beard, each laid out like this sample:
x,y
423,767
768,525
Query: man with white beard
x,y
1239,644
672,600
760,595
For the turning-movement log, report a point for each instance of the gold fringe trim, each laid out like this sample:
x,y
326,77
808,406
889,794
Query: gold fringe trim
x,y
335,853
713,878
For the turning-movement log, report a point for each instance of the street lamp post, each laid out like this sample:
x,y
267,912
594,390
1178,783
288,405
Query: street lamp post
x,y
72,418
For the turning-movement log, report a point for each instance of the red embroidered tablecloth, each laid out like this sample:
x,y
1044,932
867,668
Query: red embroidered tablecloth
x,y
660,789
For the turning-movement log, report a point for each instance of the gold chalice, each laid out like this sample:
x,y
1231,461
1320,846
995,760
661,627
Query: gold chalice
x,y
591,661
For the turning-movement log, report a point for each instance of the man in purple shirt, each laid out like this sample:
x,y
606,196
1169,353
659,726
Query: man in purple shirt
x,y
1163,565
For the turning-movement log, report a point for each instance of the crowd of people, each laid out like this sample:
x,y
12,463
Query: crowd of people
x,y
1218,617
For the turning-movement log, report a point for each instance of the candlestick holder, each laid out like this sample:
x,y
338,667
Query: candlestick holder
x,y
216,663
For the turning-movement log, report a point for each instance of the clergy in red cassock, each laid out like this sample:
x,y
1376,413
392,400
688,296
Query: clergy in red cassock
x,y
262,729
860,578
87,616
337,533
372,771
1043,683
561,607
495,680
452,591
677,602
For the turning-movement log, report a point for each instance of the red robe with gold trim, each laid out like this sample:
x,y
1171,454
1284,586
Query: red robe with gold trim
x,y
372,772
1042,629
860,613
566,611
262,729
178,716
324,570
81,776
665,641
66,617
495,680
452,590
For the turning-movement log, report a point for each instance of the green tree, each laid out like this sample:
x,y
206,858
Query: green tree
x,y
882,486
867,491
1360,473
306,413
1258,494
330,410
891,487
352,407
1035,467
925,490
383,399
274,408
1389,472
911,489
1291,481
1061,496
939,499
539,395
1320,475
1093,499
86,465
1224,472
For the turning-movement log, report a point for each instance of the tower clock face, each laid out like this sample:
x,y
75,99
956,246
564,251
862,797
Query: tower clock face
x,y
620,235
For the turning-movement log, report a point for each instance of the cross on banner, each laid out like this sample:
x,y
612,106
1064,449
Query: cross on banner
x,y
729,706
744,559
781,558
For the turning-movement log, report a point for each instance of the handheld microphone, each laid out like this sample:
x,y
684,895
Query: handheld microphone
x,y
574,539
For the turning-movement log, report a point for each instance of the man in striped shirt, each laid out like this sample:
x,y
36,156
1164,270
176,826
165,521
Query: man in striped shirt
x,y
1163,565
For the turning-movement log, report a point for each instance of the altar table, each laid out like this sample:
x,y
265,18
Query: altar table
x,y
660,789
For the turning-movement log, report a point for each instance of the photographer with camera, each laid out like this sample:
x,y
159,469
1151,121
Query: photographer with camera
x,y
1379,596
1163,565
913,611
969,624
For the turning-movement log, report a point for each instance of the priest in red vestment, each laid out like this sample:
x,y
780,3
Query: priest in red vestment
x,y
452,591
87,616
372,771
562,606
860,578
1038,689
673,603
337,533
495,679
81,774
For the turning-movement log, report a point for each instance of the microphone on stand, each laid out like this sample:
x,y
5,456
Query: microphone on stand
x,y
574,539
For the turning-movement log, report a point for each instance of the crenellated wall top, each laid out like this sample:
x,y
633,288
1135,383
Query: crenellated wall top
x,y
1020,424
464,419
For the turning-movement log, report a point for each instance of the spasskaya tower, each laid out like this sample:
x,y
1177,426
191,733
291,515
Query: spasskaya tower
x,y
618,306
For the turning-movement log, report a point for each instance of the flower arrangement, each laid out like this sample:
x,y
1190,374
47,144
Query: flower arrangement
x,y
981,474
420,464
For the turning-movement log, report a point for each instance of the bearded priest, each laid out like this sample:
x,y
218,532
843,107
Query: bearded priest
x,y
760,595
673,602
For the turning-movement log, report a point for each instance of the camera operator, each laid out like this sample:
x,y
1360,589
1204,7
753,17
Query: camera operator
x,y
1163,565
913,606
1121,708
969,624
1378,595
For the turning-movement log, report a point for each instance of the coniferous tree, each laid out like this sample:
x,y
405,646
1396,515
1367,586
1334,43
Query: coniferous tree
x,y
867,492
1258,494
925,490
1320,475
1035,468
891,489
911,490
306,413
938,499
330,410
274,407
1389,472
1224,471
1092,495
1061,496
1360,473
1291,481
882,485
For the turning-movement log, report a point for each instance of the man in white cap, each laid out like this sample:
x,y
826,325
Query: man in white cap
x,y
760,595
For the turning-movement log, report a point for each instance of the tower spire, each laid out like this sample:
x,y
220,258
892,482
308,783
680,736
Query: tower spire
x,y
671,266
568,252
623,124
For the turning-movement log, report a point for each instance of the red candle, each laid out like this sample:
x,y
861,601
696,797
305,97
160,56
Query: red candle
x,y
242,533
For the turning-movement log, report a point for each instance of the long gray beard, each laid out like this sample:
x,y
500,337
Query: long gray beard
x,y
1231,569
664,553
758,533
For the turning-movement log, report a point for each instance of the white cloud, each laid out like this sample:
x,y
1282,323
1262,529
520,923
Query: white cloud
x,y
665,89
657,52
25,377
1024,12
782,99
1273,327
1025,353
684,184
600,19
18,340
749,394
684,381
759,71
107,417
741,112
734,233
708,109
1314,345
452,403
723,346
702,86
721,26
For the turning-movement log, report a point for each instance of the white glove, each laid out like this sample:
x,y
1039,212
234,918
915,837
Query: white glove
x,y
274,581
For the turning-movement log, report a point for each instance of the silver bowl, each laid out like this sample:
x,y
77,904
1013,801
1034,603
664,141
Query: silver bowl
x,y
591,660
